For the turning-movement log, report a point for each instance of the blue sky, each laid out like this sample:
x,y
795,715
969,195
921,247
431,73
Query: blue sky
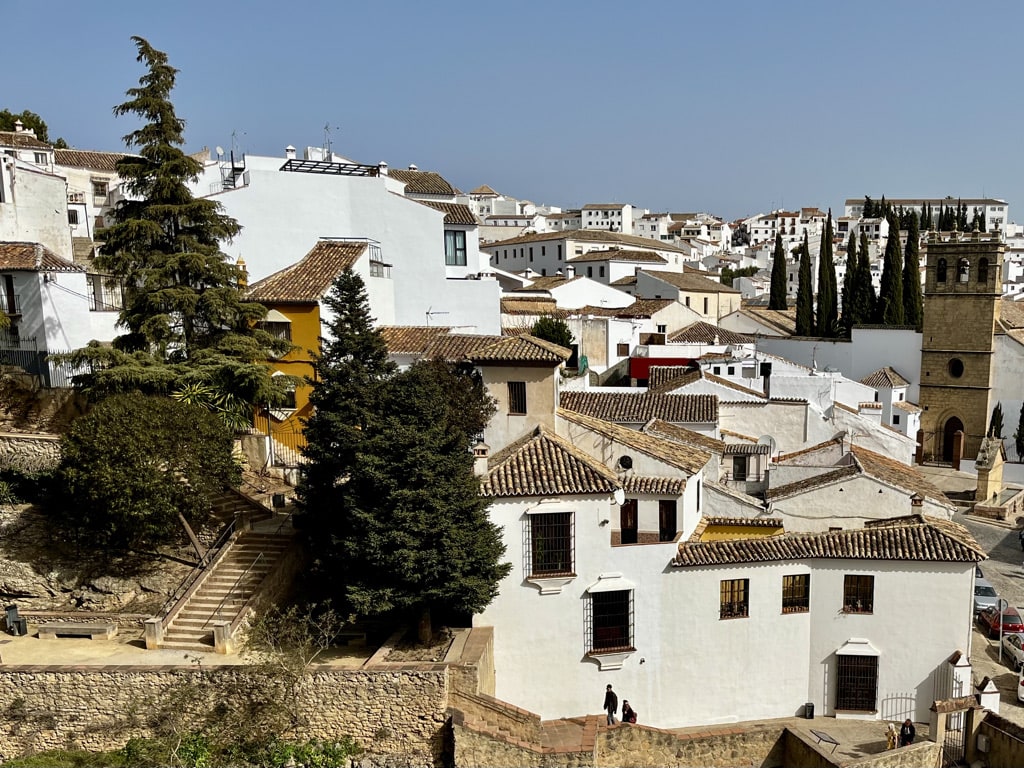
x,y
727,107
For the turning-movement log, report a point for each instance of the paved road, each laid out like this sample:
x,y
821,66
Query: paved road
x,y
1005,569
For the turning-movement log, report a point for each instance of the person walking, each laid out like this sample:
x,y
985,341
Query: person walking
x,y
611,704
907,733
628,713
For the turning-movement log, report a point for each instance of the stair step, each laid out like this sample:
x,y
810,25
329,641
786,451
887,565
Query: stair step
x,y
179,646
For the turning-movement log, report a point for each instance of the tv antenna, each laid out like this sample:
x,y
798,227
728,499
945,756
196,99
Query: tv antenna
x,y
327,141
431,313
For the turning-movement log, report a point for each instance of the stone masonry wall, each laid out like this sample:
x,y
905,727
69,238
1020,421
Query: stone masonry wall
x,y
643,746
29,453
1006,739
480,750
398,716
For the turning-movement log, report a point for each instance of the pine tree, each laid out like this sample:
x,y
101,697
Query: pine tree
x,y
850,284
995,424
865,290
913,304
804,298
186,319
827,323
889,310
777,296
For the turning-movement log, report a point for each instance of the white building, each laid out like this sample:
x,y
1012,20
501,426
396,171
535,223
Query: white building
x,y
428,242
610,217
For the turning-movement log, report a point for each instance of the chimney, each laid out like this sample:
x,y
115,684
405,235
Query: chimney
x,y
39,255
480,453
413,167
529,273
766,374
916,503
18,126
382,168
289,152
570,272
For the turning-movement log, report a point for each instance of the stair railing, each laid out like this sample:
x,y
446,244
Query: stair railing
x,y
242,575
199,567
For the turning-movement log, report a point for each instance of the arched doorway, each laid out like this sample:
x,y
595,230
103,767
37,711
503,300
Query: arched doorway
x,y
953,426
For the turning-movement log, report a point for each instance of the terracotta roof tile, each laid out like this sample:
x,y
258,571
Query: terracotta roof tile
x,y
830,443
642,406
672,486
423,182
663,377
33,257
1011,313
531,306
544,464
810,483
781,320
590,235
691,281
905,405
80,158
927,542
309,280
455,347
483,189
454,213
523,349
410,339
897,473
885,378
684,457
546,283
21,140
621,254
701,332
678,434
644,308
628,280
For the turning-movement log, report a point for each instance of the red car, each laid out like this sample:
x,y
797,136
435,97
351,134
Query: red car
x,y
988,620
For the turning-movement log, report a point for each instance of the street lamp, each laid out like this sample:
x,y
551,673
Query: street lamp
x,y
1002,605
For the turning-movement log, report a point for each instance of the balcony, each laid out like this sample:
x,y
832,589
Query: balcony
x,y
10,304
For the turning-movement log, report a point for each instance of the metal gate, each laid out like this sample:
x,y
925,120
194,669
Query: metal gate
x,y
953,743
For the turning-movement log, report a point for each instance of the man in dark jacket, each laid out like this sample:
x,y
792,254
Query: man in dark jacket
x,y
907,733
611,704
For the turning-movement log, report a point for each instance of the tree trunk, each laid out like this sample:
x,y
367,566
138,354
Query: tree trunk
x,y
425,629
200,550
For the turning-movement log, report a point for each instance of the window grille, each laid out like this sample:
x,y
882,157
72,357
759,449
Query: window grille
x,y
517,397
608,621
796,593
858,594
549,544
734,599
857,685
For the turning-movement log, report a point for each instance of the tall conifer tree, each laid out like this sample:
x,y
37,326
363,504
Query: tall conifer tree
x,y
849,283
777,296
889,310
912,301
865,290
827,323
804,297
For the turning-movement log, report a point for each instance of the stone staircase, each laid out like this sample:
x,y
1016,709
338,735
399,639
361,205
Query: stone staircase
x,y
232,503
226,589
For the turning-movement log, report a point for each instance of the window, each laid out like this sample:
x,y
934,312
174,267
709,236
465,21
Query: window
x,y
559,253
40,159
590,271
600,271
732,370
551,544
609,620
858,594
796,593
277,329
73,218
662,328
517,397
667,529
955,367
628,522
99,189
982,270
705,305
739,467
622,350
940,271
963,270
901,395
380,269
896,419
454,248
857,684
716,370
687,301
531,253
734,599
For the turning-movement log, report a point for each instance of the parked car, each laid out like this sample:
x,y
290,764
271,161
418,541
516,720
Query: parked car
x,y
1013,650
1020,685
988,620
984,594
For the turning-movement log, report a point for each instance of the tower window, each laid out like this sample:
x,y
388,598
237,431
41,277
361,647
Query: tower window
x,y
955,367
982,270
940,271
963,270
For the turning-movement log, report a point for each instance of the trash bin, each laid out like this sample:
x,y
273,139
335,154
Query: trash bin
x,y
11,616
277,500
21,626
809,710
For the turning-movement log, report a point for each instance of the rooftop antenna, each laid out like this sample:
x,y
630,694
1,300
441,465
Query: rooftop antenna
x,y
327,141
431,313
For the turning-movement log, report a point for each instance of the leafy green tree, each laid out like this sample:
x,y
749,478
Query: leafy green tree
x,y
804,299
729,274
850,283
995,424
553,329
135,466
1018,435
827,323
889,309
185,316
777,296
913,304
29,120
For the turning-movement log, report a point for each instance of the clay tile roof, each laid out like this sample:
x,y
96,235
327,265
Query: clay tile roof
x,y
1011,313
627,280
781,320
885,378
810,483
644,308
21,140
672,486
456,347
830,443
423,182
410,339
661,377
96,161
701,332
897,473
483,189
544,464
538,305
928,542
621,254
33,257
691,280
684,457
746,449
546,283
678,434
907,406
590,235
642,406
308,280
733,385
454,213
523,348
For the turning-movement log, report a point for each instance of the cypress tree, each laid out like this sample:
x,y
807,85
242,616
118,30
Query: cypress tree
x,y
869,208
804,299
912,301
1018,435
995,424
889,309
850,284
777,296
865,290
828,316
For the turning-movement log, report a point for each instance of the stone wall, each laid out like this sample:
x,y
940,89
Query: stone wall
x,y
29,453
643,746
474,749
1006,747
398,716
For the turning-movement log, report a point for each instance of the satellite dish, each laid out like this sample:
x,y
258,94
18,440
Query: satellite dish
x,y
626,462
220,151
769,441
619,496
